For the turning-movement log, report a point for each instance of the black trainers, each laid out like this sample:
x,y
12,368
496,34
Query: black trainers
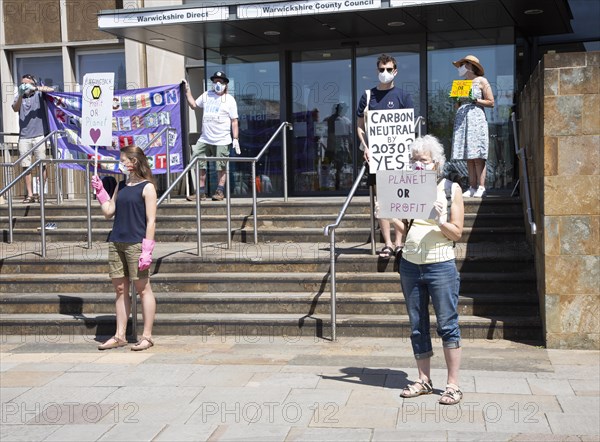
x,y
218,196
193,197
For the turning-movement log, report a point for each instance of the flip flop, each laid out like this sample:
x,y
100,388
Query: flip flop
x,y
386,252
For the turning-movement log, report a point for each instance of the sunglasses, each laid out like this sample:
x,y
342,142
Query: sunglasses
x,y
390,70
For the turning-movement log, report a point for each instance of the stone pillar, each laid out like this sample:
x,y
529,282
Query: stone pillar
x,y
562,101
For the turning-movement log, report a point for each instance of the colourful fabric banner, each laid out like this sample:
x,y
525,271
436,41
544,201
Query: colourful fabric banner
x,y
138,116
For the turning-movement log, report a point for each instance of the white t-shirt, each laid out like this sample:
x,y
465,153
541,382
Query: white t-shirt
x,y
219,110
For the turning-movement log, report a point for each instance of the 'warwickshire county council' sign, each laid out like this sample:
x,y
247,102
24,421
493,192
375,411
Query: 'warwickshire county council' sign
x,y
138,115
389,134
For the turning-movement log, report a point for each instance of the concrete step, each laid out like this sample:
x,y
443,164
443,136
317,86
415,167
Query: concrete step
x,y
388,282
250,326
246,235
188,221
369,303
74,258
270,206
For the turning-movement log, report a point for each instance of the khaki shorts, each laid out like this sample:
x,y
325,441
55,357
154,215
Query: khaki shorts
x,y
123,261
211,150
27,143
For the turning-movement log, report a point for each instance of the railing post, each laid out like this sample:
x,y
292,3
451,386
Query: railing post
x,y
228,205
372,213
254,206
168,165
284,165
133,295
333,300
57,174
198,211
42,208
88,200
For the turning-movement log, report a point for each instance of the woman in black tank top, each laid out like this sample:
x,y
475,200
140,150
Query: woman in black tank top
x,y
131,242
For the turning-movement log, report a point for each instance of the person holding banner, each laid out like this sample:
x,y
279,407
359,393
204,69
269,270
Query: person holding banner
x,y
470,139
428,270
131,242
28,103
384,96
219,123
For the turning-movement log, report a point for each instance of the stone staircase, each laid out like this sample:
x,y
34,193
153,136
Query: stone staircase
x,y
279,286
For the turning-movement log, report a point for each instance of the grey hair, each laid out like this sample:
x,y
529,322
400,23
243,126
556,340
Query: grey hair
x,y
431,144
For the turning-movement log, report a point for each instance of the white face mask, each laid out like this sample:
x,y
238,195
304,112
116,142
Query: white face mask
x,y
419,165
219,88
123,169
386,77
462,71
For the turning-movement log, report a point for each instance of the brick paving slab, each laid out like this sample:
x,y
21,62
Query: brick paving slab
x,y
269,388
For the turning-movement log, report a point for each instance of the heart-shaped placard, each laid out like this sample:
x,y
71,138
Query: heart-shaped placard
x,y
95,134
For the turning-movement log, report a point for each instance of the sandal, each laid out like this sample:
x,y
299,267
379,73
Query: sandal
x,y
386,252
113,342
398,252
28,200
451,396
418,388
143,344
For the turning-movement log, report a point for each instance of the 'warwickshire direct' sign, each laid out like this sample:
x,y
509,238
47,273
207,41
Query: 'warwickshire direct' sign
x,y
138,115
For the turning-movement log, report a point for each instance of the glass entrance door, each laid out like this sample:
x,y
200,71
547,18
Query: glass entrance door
x,y
324,135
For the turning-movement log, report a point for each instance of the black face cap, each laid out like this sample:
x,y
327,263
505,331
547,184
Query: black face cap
x,y
220,75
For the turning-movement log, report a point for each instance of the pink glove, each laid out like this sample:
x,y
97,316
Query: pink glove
x,y
146,255
101,194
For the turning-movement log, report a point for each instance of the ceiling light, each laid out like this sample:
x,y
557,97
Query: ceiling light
x,y
157,40
439,20
534,11
396,23
271,33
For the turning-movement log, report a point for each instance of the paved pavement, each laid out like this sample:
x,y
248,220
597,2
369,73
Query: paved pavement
x,y
289,388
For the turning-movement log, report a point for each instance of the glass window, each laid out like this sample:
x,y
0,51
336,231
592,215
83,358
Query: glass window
x,y
499,64
254,83
47,69
105,61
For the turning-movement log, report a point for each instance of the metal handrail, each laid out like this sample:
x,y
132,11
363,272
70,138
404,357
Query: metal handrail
x,y
329,230
40,164
195,163
525,176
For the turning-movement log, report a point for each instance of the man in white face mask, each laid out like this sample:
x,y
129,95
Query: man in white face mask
x,y
220,130
382,97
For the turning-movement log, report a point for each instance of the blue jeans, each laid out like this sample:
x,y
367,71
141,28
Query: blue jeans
x,y
441,281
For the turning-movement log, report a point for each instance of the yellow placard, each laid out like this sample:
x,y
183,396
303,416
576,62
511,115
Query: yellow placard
x,y
461,88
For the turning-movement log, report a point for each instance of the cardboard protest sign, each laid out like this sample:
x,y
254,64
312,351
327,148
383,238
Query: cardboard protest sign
x,y
390,133
406,194
461,88
96,112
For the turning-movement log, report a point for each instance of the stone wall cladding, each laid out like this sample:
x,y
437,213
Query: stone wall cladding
x,y
562,102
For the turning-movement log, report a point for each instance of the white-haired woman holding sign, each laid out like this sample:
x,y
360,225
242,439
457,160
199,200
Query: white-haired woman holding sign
x,y
428,270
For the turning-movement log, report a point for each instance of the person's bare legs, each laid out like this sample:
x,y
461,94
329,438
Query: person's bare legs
x,y
222,178
122,305
28,185
384,224
453,358
142,287
480,171
472,174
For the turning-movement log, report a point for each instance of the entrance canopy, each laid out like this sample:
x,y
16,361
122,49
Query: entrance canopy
x,y
190,28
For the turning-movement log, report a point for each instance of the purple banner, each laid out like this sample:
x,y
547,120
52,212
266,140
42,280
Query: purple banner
x,y
139,115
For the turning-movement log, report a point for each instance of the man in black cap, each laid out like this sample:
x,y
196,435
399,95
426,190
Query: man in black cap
x,y
219,129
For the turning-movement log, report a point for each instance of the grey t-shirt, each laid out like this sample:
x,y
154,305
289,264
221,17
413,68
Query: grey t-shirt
x,y
31,116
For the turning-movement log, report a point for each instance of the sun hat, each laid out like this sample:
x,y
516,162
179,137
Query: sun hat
x,y
471,59
221,75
